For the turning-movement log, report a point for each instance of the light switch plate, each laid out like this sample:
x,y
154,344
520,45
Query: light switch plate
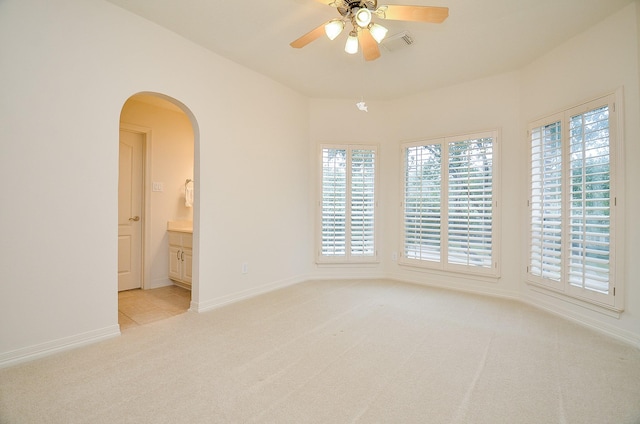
x,y
157,187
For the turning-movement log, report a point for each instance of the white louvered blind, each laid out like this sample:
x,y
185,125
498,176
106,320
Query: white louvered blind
x,y
422,202
470,202
589,205
334,202
362,202
545,225
449,205
573,219
348,204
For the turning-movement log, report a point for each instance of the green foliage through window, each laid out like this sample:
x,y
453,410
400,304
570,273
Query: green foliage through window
x,y
448,205
571,202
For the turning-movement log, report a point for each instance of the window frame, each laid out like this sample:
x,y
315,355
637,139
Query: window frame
x,y
614,298
494,271
348,257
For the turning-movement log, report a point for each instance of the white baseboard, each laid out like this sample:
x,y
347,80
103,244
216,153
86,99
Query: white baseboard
x,y
612,331
483,290
221,301
49,348
67,343
584,320
157,283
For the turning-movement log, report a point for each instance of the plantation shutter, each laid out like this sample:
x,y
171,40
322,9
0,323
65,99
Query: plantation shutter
x,y
334,202
348,204
470,202
422,202
572,226
362,202
545,205
589,204
449,205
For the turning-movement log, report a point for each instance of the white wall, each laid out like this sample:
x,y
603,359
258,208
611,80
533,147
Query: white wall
x,y
490,103
61,95
486,104
170,150
597,62
67,69
562,78
340,122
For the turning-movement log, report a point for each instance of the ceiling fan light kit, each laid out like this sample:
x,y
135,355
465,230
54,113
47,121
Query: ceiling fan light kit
x,y
378,32
333,28
365,33
351,46
363,17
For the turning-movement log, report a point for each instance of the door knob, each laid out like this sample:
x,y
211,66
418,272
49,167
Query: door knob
x,y
135,218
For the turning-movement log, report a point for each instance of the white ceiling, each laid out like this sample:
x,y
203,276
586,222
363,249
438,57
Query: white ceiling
x,y
480,38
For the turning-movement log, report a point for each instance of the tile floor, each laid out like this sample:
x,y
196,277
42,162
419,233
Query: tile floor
x,y
140,307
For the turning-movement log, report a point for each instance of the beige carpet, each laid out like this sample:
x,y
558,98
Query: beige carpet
x,y
338,352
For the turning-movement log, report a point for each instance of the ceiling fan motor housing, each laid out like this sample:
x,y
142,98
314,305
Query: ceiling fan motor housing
x,y
351,5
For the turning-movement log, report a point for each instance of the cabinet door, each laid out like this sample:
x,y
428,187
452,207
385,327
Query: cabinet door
x,y
175,263
187,265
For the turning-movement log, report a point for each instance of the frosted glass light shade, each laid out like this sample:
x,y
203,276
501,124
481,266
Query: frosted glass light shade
x,y
378,32
363,17
333,29
352,44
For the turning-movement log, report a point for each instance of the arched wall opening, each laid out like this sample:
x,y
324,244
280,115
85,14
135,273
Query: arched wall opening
x,y
164,211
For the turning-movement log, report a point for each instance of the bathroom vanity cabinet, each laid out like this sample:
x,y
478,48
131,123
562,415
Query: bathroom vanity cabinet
x,y
180,258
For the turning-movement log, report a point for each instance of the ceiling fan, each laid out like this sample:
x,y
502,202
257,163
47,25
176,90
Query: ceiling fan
x,y
365,32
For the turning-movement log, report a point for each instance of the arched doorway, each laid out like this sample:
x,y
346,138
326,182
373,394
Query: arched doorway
x,y
157,193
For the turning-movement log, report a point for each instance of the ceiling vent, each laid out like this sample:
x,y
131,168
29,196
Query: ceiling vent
x,y
397,41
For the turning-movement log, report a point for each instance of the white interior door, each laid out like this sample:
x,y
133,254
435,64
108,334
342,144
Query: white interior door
x,y
130,198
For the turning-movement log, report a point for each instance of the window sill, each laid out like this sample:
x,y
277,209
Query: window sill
x,y
473,276
334,264
607,310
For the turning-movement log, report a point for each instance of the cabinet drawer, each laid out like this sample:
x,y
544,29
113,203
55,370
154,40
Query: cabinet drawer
x,y
175,239
187,241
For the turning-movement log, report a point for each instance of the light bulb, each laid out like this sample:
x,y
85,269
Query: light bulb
x,y
333,28
352,43
363,17
378,32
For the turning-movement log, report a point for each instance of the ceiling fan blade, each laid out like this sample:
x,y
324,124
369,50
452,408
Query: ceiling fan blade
x,y
431,14
334,3
369,45
308,37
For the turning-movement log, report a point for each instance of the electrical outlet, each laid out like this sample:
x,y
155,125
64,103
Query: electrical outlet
x,y
245,267
394,256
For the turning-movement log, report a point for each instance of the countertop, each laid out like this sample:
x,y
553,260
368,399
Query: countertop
x,y
180,226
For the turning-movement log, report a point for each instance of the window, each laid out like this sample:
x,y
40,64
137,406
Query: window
x,y
450,218
348,204
572,202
